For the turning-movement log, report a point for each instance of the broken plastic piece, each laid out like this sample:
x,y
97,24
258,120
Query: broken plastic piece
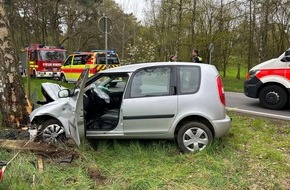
x,y
68,159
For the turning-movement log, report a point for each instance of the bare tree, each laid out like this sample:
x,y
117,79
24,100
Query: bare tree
x,y
14,107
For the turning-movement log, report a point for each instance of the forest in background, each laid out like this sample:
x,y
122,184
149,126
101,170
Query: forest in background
x,y
244,32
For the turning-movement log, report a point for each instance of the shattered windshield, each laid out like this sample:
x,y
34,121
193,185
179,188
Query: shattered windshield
x,y
51,55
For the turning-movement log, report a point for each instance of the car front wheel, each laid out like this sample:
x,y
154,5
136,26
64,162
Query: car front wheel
x,y
193,137
273,97
52,131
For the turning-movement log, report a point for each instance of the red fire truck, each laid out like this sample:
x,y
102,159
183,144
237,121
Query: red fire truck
x,y
44,61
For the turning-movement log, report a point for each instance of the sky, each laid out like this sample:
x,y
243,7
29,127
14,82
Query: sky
x,y
137,7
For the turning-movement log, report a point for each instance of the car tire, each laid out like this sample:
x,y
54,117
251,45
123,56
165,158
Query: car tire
x,y
51,131
62,78
273,97
194,136
33,74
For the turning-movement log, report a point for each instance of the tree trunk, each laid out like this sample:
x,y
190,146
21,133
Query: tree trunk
x,y
14,106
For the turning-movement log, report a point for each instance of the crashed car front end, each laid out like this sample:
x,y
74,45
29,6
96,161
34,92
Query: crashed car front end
x,y
61,109
61,115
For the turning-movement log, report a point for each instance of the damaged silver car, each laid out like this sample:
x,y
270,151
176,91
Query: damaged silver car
x,y
179,101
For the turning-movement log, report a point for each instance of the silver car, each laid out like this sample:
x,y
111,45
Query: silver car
x,y
168,100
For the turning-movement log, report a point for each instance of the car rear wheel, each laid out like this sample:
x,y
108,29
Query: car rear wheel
x,y
193,137
62,78
273,97
52,131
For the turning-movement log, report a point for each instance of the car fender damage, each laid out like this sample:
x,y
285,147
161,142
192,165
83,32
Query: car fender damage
x,y
60,110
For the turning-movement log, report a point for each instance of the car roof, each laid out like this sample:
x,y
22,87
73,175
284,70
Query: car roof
x,y
133,67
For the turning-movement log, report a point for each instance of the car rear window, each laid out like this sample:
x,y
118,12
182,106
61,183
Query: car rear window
x,y
111,58
189,79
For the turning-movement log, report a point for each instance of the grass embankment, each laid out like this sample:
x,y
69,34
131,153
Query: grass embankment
x,y
255,154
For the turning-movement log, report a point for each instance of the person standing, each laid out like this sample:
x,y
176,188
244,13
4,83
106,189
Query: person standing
x,y
195,56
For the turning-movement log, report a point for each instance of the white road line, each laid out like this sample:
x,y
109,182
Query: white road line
x,y
259,113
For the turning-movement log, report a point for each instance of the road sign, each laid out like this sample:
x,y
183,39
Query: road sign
x,y
105,24
211,47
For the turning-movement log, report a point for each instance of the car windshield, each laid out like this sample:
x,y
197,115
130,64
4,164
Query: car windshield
x,y
112,58
115,83
51,55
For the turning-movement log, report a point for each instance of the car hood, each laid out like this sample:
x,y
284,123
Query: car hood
x,y
270,64
50,90
53,108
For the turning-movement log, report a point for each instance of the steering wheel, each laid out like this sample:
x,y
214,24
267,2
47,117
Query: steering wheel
x,y
96,91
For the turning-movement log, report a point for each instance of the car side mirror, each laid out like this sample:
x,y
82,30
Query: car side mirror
x,y
64,93
286,57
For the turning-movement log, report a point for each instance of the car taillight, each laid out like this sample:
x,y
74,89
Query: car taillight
x,y
221,90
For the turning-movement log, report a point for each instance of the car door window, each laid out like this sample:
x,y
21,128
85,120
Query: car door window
x,y
68,61
80,59
153,81
189,79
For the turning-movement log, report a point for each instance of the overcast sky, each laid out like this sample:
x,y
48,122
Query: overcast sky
x,y
136,7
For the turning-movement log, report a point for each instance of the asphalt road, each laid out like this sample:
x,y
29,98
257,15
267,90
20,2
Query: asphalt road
x,y
240,103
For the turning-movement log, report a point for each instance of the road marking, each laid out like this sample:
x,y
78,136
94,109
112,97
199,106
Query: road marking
x,y
259,113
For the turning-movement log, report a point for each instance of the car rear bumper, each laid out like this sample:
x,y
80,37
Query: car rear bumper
x,y
221,127
251,87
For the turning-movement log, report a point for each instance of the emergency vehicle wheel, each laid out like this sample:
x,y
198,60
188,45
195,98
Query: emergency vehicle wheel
x,y
33,74
273,97
62,78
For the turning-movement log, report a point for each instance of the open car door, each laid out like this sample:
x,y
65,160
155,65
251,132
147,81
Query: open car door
x,y
76,121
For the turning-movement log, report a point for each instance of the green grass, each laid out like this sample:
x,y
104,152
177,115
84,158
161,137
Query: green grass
x,y
35,85
231,83
255,154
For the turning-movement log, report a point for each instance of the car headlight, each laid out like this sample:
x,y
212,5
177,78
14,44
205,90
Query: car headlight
x,y
252,73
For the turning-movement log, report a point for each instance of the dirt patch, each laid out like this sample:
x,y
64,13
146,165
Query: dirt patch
x,y
44,149
14,134
15,139
95,175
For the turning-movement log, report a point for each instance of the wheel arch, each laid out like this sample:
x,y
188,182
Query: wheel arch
x,y
62,74
38,120
33,73
197,118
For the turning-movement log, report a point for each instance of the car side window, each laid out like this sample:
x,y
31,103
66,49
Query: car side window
x,y
80,59
68,61
154,81
189,79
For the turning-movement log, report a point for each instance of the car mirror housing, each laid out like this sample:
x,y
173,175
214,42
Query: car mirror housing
x,y
286,57
64,93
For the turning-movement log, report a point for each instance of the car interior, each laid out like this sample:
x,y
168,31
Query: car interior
x,y
102,102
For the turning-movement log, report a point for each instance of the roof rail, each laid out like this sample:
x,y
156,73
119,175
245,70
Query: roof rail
x,y
80,52
97,50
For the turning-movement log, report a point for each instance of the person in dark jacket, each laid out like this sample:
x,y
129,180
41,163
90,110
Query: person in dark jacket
x,y
195,56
